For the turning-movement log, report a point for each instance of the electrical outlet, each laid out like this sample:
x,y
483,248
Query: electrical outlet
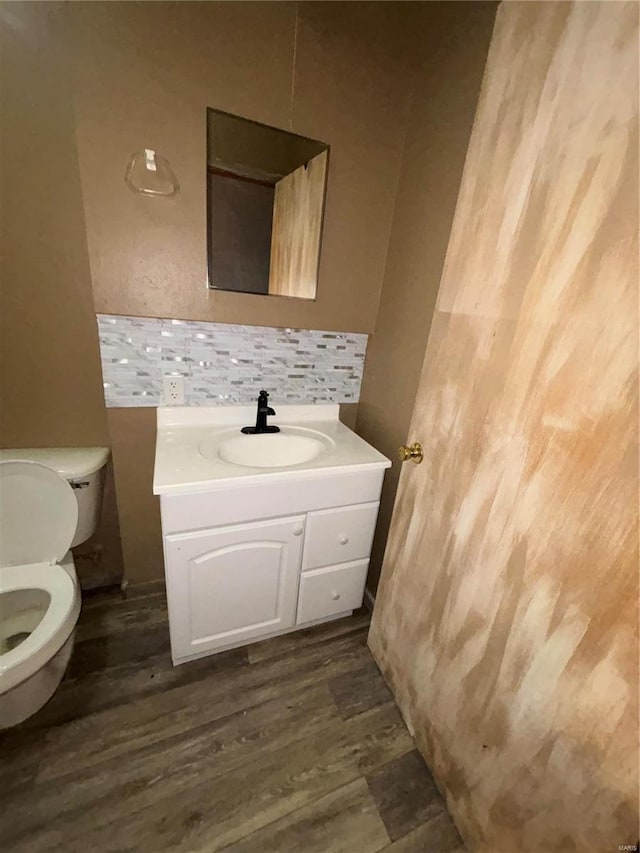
x,y
173,388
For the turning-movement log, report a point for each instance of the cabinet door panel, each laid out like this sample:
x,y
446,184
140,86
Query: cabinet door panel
x,y
232,584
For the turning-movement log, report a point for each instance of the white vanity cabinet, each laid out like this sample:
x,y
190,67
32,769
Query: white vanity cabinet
x,y
251,553
230,585
231,581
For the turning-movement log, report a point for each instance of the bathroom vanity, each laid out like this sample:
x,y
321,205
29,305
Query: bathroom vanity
x,y
262,534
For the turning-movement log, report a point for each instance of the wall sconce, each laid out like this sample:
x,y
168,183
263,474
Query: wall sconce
x,y
148,173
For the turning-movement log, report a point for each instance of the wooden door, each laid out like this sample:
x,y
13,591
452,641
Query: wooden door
x,y
232,584
296,230
506,617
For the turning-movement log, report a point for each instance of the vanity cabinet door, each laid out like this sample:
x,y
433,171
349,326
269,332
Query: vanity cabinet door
x,y
232,584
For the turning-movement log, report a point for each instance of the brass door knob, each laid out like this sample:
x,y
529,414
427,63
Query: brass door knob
x,y
413,452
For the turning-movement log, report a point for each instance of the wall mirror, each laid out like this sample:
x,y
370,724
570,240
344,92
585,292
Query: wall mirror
x,y
265,203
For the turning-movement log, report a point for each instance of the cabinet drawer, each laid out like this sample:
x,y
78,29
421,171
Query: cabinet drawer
x,y
334,589
339,535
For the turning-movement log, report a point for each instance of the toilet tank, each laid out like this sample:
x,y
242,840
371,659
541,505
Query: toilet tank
x,y
84,469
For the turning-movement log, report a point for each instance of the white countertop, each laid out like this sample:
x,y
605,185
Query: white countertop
x,y
181,468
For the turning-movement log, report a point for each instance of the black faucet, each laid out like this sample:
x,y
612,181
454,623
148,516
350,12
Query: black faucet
x,y
264,409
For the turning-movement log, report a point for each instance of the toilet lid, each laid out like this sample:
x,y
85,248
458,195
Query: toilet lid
x,y
38,514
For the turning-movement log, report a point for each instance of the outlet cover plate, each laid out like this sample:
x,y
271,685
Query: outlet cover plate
x,y
173,390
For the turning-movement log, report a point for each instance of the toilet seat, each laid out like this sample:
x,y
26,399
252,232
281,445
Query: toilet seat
x,y
53,630
38,519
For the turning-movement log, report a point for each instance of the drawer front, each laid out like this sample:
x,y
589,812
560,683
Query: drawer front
x,y
339,535
334,589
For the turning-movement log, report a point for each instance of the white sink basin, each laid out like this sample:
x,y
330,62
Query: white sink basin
x,y
271,450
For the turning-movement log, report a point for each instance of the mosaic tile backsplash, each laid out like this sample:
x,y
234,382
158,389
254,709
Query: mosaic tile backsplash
x,y
224,364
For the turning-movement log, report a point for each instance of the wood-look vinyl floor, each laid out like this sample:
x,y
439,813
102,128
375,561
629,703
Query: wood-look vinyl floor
x,y
292,744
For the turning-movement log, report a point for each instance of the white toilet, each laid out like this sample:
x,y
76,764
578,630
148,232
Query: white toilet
x,y
50,500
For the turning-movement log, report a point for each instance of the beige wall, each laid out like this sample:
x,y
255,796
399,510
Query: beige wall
x,y
441,115
133,445
507,614
50,379
144,76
